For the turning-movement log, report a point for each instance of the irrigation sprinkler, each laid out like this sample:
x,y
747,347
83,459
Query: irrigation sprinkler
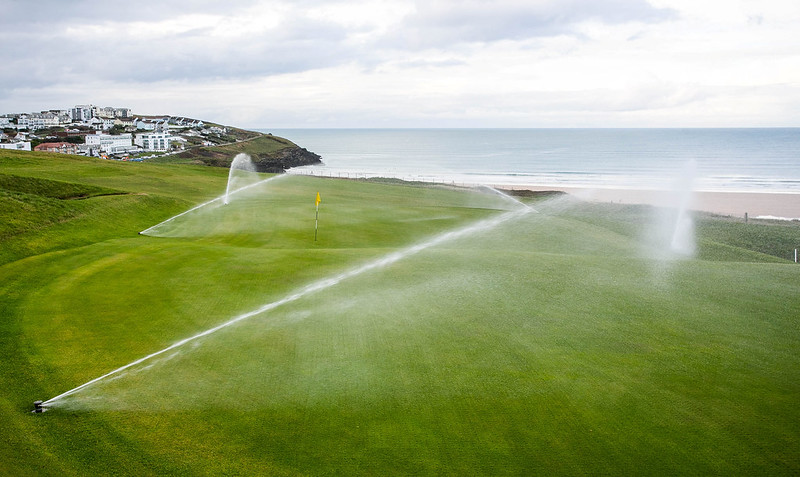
x,y
37,407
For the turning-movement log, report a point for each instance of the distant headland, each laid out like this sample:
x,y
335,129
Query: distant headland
x,y
119,134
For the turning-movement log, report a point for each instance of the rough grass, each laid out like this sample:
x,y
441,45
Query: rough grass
x,y
51,189
564,342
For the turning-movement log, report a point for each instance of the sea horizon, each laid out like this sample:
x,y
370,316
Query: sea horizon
x,y
743,159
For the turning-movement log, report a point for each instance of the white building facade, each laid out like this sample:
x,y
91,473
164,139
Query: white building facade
x,y
111,144
43,120
155,141
82,113
17,146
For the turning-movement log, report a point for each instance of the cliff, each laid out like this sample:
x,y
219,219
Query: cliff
x,y
269,153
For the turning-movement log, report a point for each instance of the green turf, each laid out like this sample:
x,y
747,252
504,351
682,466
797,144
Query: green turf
x,y
561,342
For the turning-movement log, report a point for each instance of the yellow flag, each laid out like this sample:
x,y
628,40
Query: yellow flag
x,y
317,201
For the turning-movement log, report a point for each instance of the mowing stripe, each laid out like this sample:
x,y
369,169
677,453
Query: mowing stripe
x,y
314,287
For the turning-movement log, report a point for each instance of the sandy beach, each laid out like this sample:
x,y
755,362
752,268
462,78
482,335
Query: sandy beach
x,y
735,204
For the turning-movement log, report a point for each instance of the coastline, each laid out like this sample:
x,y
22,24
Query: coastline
x,y
756,204
777,205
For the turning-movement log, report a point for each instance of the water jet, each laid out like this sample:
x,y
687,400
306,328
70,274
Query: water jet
x,y
242,162
682,240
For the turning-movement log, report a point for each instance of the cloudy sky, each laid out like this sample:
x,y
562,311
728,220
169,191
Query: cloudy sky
x,y
405,63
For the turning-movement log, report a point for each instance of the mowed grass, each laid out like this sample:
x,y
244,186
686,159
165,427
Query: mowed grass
x,y
554,344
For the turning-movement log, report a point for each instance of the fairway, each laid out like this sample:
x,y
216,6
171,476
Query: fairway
x,y
560,340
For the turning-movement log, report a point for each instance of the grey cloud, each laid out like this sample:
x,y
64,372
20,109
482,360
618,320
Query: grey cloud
x,y
46,13
443,23
47,54
51,56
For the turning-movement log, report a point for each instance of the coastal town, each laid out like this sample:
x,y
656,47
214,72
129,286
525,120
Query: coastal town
x,y
106,132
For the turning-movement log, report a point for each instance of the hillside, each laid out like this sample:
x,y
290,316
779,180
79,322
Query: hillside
x,y
187,140
428,330
270,154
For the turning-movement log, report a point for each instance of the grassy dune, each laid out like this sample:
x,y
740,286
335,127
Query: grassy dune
x,y
564,341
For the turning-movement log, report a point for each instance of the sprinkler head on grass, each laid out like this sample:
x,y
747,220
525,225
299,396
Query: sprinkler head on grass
x,y
37,407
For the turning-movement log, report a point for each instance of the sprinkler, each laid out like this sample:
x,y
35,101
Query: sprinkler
x,y
37,407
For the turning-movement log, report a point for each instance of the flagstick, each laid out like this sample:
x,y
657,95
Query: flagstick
x,y
316,222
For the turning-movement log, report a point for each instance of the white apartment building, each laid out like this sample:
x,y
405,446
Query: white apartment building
x,y
42,120
82,113
106,112
17,146
101,123
110,112
155,141
111,144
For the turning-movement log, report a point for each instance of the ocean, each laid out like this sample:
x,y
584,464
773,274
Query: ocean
x,y
735,160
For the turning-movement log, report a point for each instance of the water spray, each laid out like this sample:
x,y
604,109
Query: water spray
x,y
508,197
223,198
682,239
309,289
242,162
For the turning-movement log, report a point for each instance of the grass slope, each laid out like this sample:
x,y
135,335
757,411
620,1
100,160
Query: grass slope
x,y
37,192
261,146
553,344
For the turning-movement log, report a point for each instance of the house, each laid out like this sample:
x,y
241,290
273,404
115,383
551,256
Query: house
x,y
217,130
60,147
145,125
178,143
124,122
99,123
23,122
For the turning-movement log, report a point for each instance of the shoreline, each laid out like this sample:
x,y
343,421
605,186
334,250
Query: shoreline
x,y
774,205
756,204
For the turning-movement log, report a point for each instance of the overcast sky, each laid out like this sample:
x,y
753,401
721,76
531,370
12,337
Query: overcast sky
x,y
427,63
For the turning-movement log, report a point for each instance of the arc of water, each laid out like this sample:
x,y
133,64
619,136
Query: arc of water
x,y
508,197
682,240
315,287
217,199
242,161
